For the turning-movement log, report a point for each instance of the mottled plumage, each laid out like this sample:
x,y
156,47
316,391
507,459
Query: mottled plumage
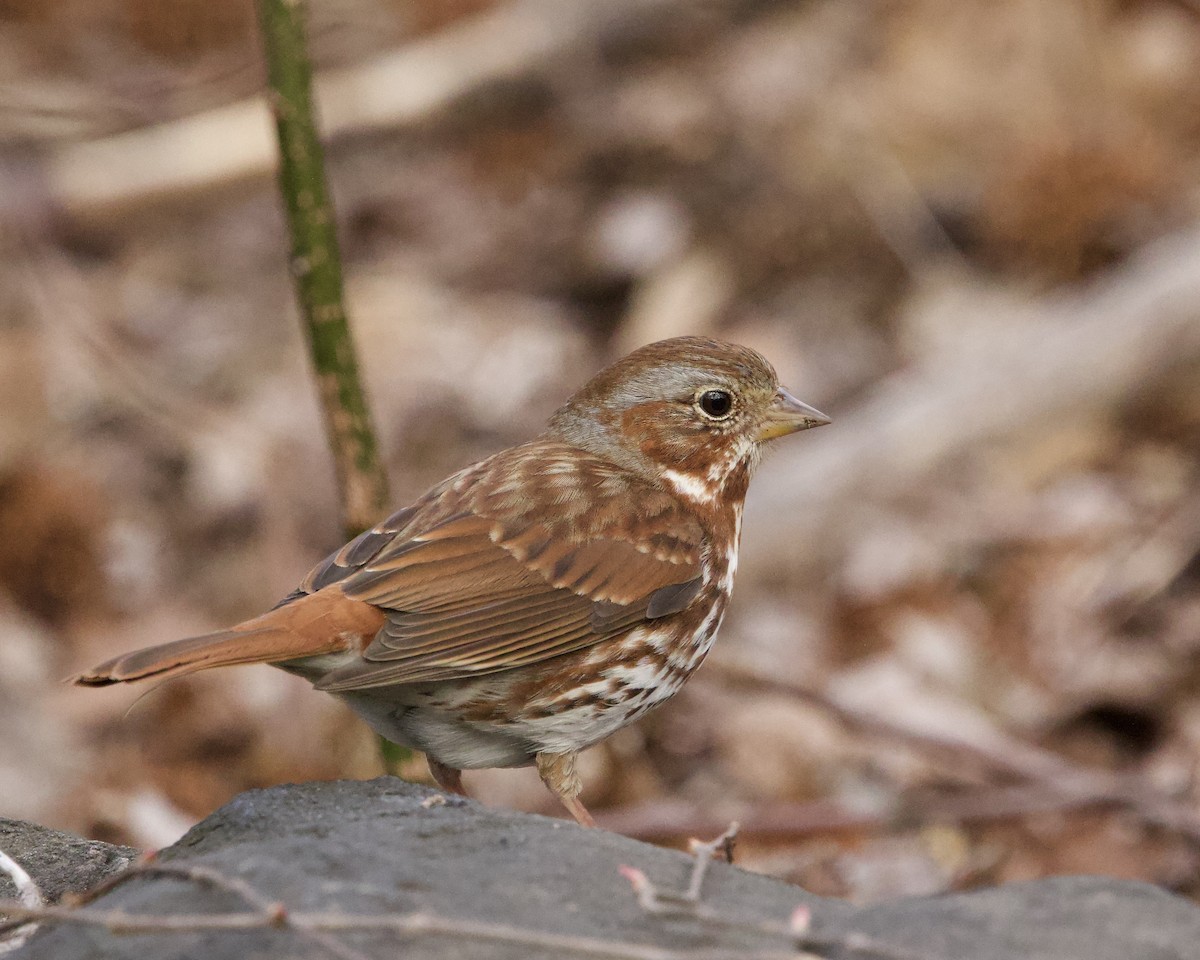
x,y
537,601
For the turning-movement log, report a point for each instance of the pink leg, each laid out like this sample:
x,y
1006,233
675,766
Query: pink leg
x,y
557,771
448,778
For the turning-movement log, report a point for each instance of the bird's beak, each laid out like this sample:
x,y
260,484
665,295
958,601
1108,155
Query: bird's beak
x,y
787,415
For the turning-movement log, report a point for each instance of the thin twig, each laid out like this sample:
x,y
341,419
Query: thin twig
x,y
268,908
320,926
141,866
704,851
796,931
409,925
150,866
686,903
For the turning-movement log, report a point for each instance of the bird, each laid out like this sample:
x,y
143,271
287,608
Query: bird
x,y
530,605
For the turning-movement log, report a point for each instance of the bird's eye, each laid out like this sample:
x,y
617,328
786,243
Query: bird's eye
x,y
715,404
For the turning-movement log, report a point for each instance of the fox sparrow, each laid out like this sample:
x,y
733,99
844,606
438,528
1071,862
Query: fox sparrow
x,y
530,605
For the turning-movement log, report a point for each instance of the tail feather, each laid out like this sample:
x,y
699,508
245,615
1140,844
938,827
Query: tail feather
x,y
319,623
181,657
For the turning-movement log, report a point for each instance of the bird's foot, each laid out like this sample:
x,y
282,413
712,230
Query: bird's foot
x,y
557,771
448,778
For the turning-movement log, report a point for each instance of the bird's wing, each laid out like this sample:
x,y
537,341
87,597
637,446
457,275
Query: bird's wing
x,y
485,575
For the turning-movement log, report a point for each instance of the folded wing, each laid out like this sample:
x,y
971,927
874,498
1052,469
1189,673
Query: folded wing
x,y
468,592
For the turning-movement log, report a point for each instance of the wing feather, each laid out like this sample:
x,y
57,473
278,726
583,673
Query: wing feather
x,y
473,583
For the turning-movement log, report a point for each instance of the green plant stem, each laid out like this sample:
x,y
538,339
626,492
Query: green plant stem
x,y
316,265
317,270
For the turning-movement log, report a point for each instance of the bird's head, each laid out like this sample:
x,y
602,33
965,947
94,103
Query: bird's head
x,y
689,412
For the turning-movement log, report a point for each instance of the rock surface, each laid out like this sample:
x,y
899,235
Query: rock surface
x,y
388,848
58,863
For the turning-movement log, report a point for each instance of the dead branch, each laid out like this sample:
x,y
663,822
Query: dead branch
x,y
264,914
1000,754
1048,777
661,820
1047,783
320,927
1056,361
407,925
106,177
704,851
659,902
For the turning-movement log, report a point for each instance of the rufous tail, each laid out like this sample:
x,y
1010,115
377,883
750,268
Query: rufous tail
x,y
181,657
323,622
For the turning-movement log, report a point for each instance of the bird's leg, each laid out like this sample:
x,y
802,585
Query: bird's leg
x,y
557,771
448,778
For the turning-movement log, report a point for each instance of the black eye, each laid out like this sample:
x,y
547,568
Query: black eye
x,y
717,404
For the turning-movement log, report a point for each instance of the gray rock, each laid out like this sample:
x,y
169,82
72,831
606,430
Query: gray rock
x,y
376,849
57,862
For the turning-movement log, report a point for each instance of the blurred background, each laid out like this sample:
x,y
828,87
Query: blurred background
x,y
965,644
